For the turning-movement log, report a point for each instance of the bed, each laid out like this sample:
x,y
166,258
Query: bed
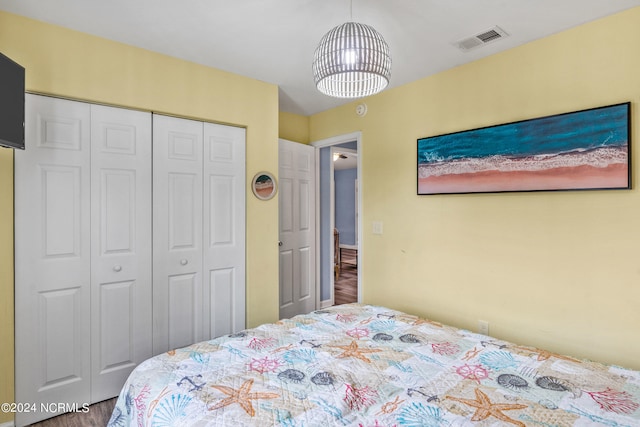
x,y
370,366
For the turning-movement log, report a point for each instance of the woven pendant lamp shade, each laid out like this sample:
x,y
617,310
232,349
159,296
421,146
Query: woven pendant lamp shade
x,y
352,61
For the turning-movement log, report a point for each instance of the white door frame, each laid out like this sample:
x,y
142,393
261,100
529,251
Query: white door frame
x,y
340,139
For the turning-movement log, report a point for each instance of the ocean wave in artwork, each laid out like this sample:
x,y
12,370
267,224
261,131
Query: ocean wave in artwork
x,y
601,157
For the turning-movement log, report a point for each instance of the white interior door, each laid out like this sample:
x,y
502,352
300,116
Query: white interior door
x,y
223,230
177,232
120,246
52,256
297,228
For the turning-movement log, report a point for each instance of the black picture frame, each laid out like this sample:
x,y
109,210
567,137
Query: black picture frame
x,y
581,150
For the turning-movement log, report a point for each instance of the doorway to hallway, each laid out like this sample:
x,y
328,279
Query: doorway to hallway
x,y
339,226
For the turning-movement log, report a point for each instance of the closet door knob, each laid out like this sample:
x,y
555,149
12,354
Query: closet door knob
x,y
279,243
184,262
117,268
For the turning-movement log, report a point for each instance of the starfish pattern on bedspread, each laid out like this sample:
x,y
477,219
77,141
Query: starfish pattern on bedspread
x,y
381,368
543,355
352,350
485,408
420,321
241,396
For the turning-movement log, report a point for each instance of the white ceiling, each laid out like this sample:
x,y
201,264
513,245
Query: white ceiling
x,y
274,40
346,159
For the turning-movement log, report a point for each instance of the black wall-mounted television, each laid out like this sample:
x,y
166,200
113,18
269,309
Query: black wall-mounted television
x,y
11,103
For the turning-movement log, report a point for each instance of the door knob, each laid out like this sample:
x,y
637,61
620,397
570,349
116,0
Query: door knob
x,y
117,268
184,262
279,243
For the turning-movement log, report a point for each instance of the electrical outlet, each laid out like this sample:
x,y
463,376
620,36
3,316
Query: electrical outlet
x,y
483,327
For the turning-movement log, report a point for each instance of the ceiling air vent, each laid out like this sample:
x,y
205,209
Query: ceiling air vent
x,y
485,37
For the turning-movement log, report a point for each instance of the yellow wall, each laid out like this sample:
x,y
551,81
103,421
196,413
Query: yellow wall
x,y
293,127
558,270
76,65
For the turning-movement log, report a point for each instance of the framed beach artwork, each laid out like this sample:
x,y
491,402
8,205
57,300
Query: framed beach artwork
x,y
581,150
264,185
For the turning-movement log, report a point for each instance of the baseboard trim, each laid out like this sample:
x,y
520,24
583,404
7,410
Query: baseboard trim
x,y
323,304
8,424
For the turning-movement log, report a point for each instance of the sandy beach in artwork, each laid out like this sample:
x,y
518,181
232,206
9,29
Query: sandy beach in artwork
x,y
586,149
562,178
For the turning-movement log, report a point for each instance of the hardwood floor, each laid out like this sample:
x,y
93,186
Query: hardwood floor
x,y
98,416
346,285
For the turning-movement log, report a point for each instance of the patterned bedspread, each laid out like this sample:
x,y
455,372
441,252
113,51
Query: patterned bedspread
x,y
370,366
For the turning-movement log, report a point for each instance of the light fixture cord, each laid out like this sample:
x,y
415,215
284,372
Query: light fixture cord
x,y
351,10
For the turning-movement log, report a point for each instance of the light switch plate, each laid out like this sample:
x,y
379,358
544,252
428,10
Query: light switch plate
x,y
377,227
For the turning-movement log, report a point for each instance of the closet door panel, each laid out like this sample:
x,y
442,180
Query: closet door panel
x,y
59,337
183,202
117,349
222,284
183,303
221,208
52,256
224,229
117,211
120,243
61,206
177,233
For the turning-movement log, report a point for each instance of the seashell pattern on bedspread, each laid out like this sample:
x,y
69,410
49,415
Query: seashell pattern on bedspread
x,y
363,365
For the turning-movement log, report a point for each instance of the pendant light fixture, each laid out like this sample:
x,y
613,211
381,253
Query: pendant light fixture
x,y
352,61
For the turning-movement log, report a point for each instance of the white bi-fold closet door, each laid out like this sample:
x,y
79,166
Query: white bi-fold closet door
x,y
96,291
82,252
198,231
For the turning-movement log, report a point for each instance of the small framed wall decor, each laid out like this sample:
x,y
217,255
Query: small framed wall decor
x,y
264,185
